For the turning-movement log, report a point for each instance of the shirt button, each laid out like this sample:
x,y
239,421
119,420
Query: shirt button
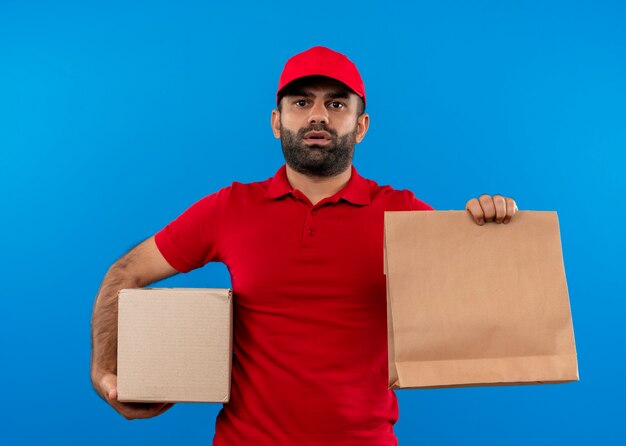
x,y
313,212
311,232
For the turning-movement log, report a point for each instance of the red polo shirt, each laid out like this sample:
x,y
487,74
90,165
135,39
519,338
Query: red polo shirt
x,y
310,327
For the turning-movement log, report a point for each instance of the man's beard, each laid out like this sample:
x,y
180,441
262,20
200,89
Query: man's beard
x,y
318,160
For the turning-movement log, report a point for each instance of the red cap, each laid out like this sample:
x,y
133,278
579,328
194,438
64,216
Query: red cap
x,y
322,61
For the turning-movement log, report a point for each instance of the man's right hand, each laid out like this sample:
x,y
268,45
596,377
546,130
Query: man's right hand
x,y
106,385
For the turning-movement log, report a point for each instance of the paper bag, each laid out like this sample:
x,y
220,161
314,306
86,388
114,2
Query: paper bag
x,y
476,305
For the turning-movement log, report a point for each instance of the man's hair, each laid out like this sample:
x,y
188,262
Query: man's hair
x,y
298,84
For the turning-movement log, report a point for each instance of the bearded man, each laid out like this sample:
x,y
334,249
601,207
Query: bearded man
x,y
305,252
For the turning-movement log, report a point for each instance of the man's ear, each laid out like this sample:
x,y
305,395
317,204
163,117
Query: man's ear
x,y
362,124
275,121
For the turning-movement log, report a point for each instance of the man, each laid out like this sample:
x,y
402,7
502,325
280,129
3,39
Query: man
x,y
305,253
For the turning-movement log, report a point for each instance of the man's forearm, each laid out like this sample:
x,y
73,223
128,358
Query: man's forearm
x,y
104,319
139,267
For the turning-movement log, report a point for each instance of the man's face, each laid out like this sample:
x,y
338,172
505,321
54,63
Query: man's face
x,y
318,127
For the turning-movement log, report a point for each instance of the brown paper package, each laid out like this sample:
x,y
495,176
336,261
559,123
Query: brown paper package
x,y
476,305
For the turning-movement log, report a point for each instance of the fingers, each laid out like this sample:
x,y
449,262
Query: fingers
x,y
511,209
108,386
487,208
133,411
500,207
130,411
474,208
166,406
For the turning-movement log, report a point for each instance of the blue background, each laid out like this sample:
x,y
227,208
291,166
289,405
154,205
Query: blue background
x,y
116,116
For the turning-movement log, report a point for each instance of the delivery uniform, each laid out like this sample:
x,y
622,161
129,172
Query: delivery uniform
x,y
310,327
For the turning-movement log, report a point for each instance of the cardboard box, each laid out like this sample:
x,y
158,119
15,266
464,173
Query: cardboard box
x,y
174,345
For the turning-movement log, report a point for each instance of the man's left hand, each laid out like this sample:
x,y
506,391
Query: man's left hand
x,y
491,208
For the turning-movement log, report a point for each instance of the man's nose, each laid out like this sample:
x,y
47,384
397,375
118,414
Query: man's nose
x,y
319,113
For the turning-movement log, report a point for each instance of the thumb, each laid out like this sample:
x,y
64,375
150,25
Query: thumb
x,y
108,384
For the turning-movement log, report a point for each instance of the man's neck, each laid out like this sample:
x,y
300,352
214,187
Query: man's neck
x,y
318,188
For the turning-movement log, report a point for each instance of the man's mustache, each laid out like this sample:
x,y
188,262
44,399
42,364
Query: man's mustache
x,y
317,128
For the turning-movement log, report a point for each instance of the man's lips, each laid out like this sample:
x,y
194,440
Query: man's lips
x,y
317,137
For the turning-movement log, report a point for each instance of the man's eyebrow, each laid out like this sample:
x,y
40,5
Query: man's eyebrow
x,y
339,94
304,93
343,94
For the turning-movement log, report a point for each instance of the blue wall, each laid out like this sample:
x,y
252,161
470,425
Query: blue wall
x,y
115,116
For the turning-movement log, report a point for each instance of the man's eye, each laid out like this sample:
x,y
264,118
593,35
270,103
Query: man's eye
x,y
300,102
336,104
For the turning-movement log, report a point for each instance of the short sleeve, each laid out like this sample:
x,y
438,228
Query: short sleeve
x,y
418,205
193,238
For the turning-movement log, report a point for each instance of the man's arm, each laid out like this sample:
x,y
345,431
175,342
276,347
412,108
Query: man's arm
x,y
138,268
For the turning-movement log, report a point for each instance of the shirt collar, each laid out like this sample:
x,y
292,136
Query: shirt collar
x,y
356,190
